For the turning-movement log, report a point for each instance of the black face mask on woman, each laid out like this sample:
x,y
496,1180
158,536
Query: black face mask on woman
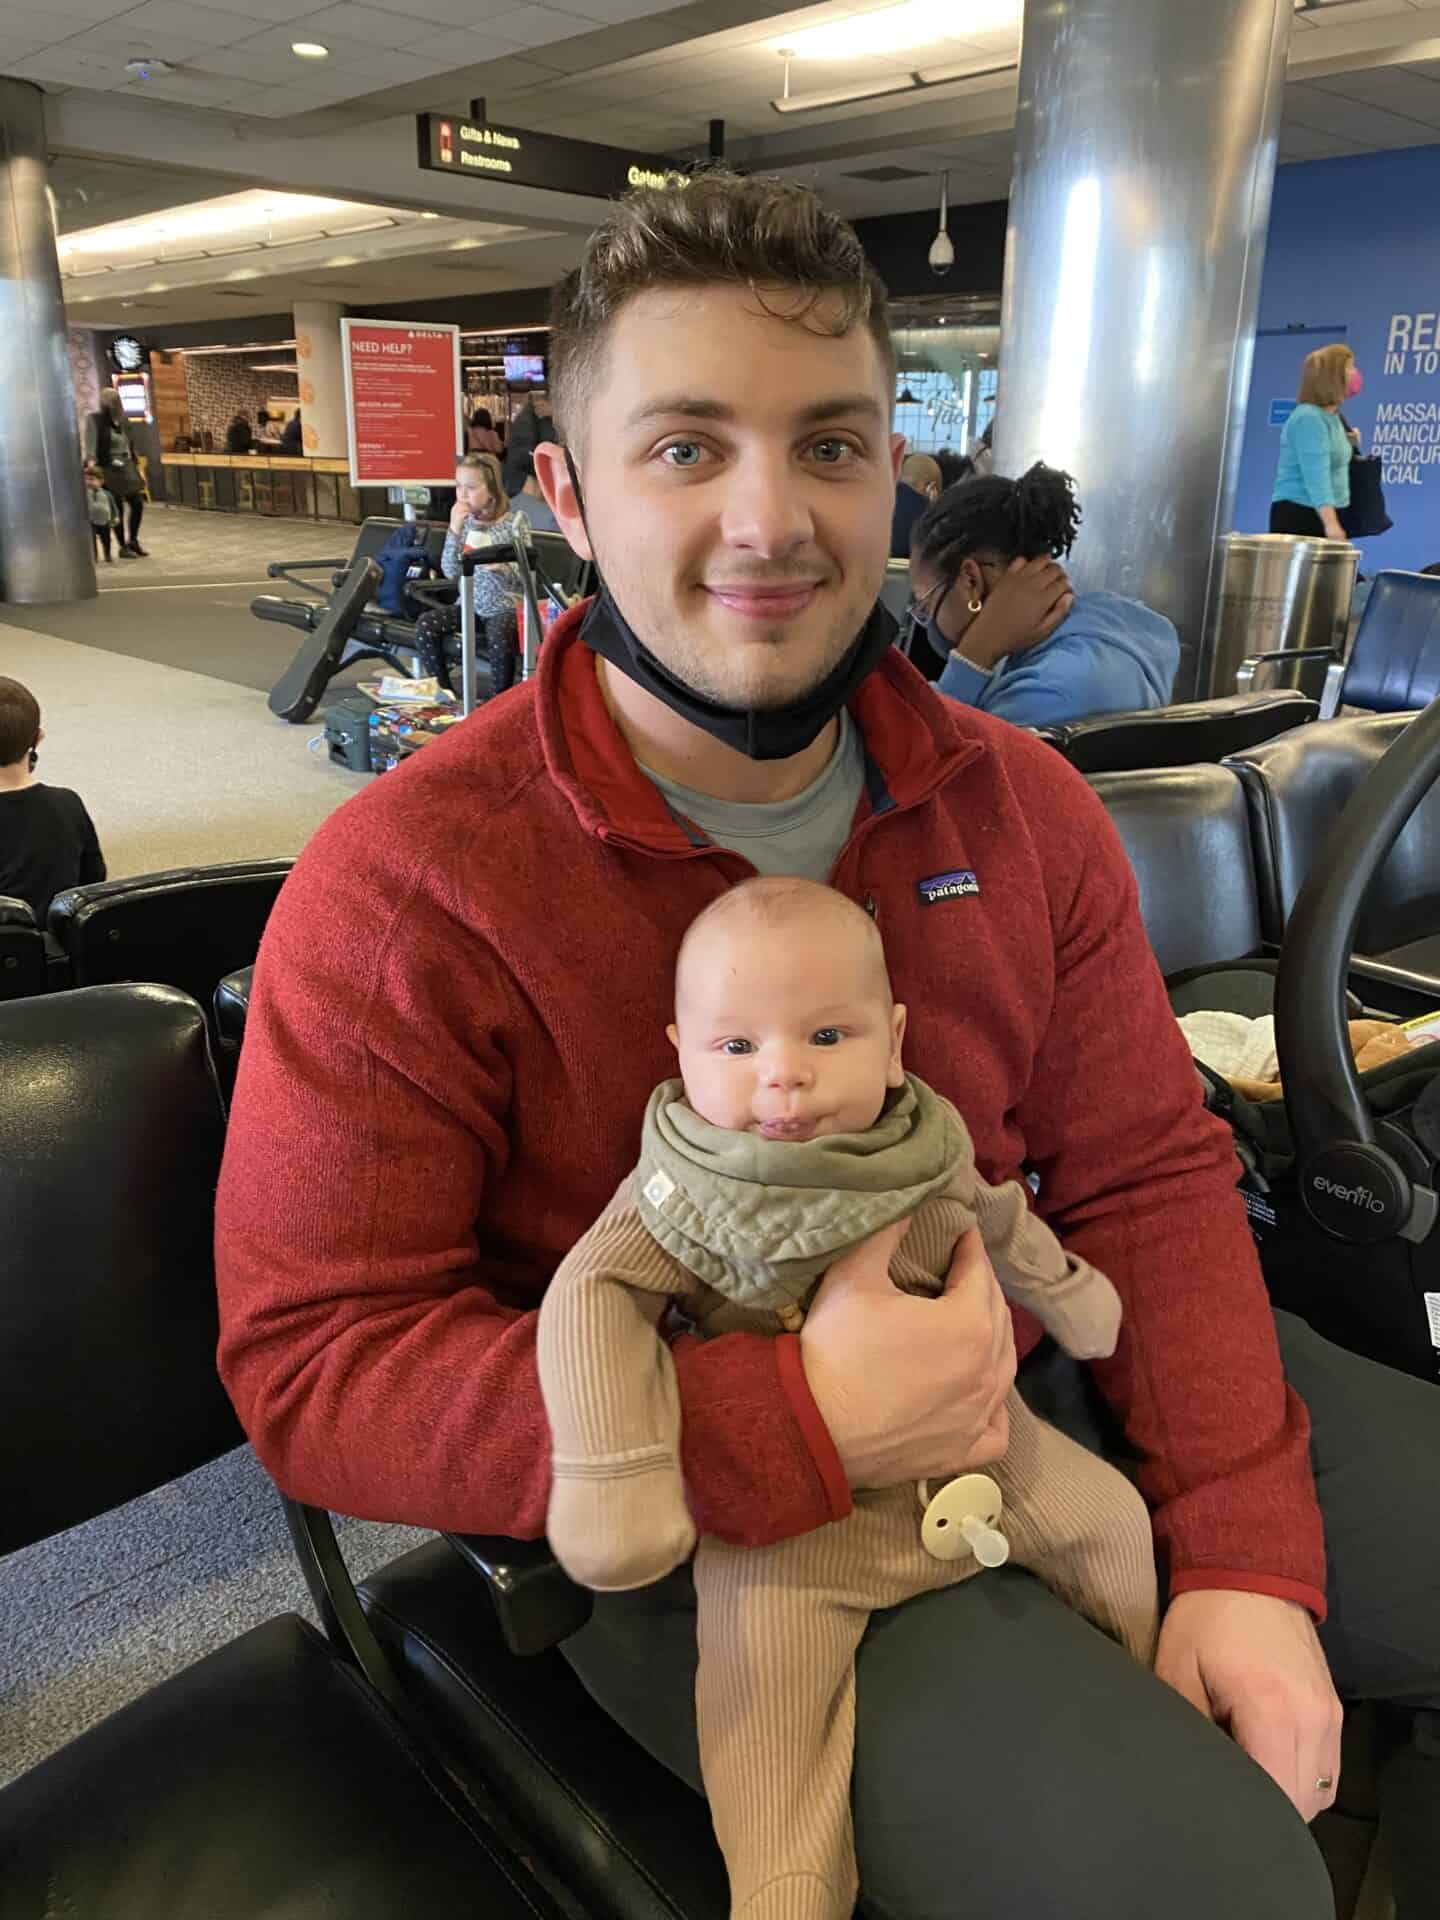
x,y
761,733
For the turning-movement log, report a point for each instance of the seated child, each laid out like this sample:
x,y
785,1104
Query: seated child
x,y
47,839
104,514
794,1134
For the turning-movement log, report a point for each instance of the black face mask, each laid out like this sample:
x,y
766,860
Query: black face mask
x,y
769,733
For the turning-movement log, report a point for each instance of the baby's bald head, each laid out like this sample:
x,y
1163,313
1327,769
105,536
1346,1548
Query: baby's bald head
x,y
778,908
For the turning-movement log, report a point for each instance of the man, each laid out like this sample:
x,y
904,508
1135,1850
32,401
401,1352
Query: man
x,y
530,500
531,425
917,488
449,1052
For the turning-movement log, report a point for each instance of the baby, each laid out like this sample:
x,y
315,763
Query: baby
x,y
793,1134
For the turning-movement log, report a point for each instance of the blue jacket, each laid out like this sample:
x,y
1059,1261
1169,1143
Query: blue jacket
x,y
1109,655
1314,468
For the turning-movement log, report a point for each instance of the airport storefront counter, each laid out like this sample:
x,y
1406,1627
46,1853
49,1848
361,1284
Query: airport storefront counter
x,y
265,484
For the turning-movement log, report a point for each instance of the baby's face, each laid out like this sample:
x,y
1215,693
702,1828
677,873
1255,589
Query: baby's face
x,y
786,1031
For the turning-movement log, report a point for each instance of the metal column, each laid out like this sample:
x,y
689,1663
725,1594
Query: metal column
x,y
45,545
1144,161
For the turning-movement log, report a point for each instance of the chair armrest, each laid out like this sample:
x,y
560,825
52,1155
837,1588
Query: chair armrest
x,y
536,1602
1245,674
434,593
288,569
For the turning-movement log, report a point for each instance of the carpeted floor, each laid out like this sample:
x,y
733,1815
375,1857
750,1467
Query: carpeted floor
x,y
94,1617
188,605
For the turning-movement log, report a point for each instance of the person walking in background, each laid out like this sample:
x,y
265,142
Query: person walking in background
x,y
480,435
103,511
238,437
918,487
996,606
108,445
1312,482
47,838
292,439
531,425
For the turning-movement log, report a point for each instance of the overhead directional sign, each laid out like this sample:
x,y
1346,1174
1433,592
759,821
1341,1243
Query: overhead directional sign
x,y
454,143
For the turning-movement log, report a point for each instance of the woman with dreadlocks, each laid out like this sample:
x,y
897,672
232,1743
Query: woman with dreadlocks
x,y
997,608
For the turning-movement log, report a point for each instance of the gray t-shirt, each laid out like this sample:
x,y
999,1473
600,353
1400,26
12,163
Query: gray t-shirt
x,y
801,836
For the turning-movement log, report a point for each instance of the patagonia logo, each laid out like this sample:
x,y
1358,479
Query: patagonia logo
x,y
947,886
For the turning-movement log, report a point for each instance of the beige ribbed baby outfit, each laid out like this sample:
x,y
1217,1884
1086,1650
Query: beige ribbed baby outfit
x,y
737,1231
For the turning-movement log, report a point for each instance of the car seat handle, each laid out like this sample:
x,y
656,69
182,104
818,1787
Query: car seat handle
x,y
1349,1184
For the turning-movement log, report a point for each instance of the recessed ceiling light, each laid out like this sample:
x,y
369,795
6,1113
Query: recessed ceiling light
x,y
309,50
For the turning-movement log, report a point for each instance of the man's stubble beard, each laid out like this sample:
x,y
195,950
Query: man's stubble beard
x,y
672,642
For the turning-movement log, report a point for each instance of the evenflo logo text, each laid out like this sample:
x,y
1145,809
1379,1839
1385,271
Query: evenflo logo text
x,y
1357,1196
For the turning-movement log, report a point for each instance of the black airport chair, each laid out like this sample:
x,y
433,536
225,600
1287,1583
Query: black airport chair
x,y
181,928
270,1778
24,964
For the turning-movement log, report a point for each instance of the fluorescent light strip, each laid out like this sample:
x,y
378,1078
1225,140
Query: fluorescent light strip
x,y
919,81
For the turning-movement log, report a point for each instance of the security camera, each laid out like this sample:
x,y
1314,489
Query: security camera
x,y
143,68
942,253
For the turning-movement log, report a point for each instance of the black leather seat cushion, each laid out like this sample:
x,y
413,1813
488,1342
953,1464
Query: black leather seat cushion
x,y
1187,832
1394,665
632,1840
267,1780
1176,736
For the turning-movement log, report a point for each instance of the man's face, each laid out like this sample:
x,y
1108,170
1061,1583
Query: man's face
x,y
739,478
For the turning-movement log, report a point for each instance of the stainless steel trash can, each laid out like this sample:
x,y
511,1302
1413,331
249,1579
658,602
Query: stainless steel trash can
x,y
1281,590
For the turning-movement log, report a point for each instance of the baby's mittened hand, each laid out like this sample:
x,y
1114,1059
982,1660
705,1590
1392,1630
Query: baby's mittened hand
x,y
621,1524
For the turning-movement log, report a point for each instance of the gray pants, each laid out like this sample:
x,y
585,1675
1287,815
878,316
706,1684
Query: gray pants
x,y
1012,1761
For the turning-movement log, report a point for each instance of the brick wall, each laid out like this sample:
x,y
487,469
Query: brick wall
x,y
220,385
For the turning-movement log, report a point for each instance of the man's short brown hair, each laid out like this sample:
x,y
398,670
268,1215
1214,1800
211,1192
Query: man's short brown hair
x,y
19,721
720,229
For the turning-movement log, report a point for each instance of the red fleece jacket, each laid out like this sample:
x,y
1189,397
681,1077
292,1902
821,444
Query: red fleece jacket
x,y
460,1009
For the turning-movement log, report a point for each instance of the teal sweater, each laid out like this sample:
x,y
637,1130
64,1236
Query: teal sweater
x,y
1314,460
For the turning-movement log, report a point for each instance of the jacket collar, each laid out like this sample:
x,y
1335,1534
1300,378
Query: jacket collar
x,y
914,739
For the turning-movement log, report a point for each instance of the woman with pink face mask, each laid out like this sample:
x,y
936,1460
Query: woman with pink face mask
x,y
1312,483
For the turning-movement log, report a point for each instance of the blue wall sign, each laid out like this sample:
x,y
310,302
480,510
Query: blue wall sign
x,y
1281,410
1379,214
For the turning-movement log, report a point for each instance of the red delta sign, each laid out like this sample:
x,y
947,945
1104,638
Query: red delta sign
x,y
402,402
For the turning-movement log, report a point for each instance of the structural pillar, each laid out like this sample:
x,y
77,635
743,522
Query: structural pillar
x,y
45,545
322,378
1144,161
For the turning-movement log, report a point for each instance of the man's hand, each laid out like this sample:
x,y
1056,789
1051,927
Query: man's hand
x,y
1025,606
1254,1666
910,1388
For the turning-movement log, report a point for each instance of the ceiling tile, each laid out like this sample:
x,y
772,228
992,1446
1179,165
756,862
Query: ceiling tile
x,y
1391,88
460,14
351,22
282,10
536,26
73,15
166,17
1368,126
479,43
618,11
113,37
1356,10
